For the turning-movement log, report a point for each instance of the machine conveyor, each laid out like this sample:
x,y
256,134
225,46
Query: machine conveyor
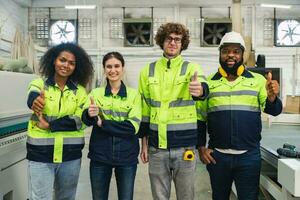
x,y
280,176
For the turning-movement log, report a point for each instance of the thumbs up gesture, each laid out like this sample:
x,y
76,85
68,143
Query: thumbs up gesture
x,y
93,111
272,87
39,103
195,86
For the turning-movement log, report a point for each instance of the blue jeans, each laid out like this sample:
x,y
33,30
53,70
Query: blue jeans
x,y
100,175
166,165
62,178
243,169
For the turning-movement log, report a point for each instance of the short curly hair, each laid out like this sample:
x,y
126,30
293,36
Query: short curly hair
x,y
166,29
84,69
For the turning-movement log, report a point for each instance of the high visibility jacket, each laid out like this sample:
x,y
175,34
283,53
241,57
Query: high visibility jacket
x,y
168,109
233,111
115,142
64,140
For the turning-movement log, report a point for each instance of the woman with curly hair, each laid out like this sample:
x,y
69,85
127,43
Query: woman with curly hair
x,y
55,131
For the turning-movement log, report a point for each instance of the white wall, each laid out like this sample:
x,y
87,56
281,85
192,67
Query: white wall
x,y
12,16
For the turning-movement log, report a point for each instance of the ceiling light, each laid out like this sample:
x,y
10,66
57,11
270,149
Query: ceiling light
x,y
80,6
275,6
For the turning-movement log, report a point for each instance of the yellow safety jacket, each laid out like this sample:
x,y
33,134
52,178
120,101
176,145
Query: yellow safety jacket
x,y
64,139
115,142
167,104
232,111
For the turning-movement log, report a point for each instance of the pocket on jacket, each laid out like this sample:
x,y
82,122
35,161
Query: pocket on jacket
x,y
182,80
184,115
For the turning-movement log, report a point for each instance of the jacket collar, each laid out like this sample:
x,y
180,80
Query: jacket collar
x,y
171,62
122,92
71,85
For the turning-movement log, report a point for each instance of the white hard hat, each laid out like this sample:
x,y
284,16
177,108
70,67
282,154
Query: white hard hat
x,y
232,38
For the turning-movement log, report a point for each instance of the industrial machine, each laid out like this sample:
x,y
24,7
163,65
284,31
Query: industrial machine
x,y
280,175
14,116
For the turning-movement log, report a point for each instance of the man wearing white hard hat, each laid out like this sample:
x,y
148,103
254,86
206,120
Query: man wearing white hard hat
x,y
232,118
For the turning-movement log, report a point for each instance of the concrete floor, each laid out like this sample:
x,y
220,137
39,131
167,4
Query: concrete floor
x,y
202,184
142,189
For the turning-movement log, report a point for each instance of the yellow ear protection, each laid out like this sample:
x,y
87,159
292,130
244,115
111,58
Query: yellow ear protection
x,y
239,71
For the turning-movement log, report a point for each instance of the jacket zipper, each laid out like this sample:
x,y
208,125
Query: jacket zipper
x,y
61,95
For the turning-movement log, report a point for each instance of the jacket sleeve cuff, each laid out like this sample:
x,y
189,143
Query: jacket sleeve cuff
x,y
274,108
143,130
87,120
63,124
201,133
31,97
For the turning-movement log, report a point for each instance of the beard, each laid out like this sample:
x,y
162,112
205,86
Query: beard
x,y
230,70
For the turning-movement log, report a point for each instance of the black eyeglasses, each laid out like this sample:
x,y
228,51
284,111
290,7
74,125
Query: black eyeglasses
x,y
169,39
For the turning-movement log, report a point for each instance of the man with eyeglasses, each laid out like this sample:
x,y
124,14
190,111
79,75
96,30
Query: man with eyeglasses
x,y
233,119
170,87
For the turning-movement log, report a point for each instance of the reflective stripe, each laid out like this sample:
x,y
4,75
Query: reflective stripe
x,y
50,118
151,69
115,113
180,103
37,86
152,102
77,121
184,68
182,72
34,117
234,107
50,141
235,93
181,127
202,113
176,127
40,141
145,119
79,140
35,90
135,119
153,127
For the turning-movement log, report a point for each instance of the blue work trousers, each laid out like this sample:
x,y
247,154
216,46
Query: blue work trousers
x,y
100,176
242,169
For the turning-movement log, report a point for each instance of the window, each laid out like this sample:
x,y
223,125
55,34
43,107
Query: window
x,y
62,31
213,30
41,28
137,32
287,32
